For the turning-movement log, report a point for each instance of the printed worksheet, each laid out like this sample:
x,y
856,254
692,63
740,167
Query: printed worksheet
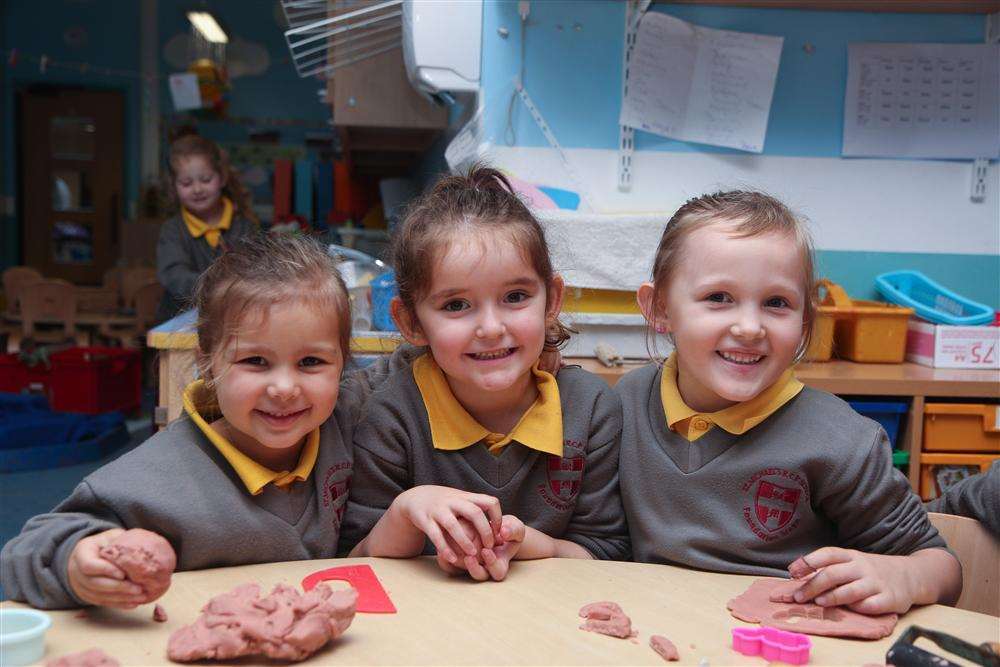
x,y
699,84
922,101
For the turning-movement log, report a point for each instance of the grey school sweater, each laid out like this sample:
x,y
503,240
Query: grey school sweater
x,y
179,485
181,258
814,474
573,498
977,497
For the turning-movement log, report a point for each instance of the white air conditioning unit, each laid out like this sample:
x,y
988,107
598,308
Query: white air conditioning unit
x,y
442,45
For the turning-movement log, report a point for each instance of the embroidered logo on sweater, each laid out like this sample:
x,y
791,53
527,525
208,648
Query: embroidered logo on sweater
x,y
563,476
336,484
772,500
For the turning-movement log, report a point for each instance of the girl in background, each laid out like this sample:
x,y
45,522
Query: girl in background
x,y
728,462
213,212
473,447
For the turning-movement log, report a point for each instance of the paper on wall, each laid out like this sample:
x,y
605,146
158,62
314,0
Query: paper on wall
x,y
185,92
922,101
468,146
699,84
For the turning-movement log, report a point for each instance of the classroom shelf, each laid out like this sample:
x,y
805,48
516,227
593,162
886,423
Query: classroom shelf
x,y
846,377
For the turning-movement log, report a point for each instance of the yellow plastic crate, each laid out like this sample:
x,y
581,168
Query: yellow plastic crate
x,y
962,427
865,331
930,462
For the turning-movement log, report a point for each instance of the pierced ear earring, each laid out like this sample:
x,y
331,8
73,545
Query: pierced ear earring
x,y
660,329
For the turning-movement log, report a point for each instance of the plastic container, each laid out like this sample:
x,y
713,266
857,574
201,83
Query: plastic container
x,y
901,460
866,331
890,414
821,344
931,301
384,288
962,427
22,636
96,379
932,465
772,644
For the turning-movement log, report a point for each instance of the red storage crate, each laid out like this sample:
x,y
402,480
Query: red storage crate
x,y
95,379
16,376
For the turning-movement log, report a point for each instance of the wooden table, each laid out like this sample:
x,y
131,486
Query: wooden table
x,y
531,618
906,380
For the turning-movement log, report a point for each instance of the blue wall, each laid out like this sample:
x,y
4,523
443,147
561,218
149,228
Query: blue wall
x,y
573,54
113,28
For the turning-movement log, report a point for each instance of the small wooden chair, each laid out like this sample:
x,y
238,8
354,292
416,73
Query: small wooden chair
x,y
48,314
979,553
132,279
145,301
15,279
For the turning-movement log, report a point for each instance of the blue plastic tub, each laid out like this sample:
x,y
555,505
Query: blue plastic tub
x,y
931,301
890,414
384,288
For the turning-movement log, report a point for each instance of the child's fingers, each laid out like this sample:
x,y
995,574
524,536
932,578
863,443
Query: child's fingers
x,y
474,515
817,560
456,532
880,603
108,586
850,593
437,538
511,529
475,569
828,578
489,505
497,567
448,568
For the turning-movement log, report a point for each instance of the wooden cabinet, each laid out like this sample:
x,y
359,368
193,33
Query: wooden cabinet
x,y
385,125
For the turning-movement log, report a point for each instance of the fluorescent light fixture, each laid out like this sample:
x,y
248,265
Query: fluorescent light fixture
x,y
209,28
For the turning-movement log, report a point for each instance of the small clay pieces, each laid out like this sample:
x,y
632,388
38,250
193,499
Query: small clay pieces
x,y
159,614
146,558
772,644
94,657
756,605
664,648
286,624
607,618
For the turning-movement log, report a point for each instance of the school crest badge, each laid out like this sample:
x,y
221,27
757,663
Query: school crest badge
x,y
336,485
773,497
564,475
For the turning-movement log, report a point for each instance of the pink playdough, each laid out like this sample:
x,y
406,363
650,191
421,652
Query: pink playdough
x,y
94,657
772,644
759,605
664,647
607,618
286,624
145,557
159,614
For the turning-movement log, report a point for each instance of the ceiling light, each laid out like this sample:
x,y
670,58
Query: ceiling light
x,y
209,28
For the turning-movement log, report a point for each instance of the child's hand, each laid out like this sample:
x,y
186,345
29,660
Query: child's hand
x,y
489,563
96,580
438,512
867,583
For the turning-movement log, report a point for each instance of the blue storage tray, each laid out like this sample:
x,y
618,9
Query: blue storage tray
x,y
889,414
931,301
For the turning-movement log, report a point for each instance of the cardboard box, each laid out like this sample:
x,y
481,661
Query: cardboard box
x,y
943,346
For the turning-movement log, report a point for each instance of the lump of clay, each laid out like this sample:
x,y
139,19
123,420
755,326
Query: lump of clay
x,y
146,558
664,647
159,614
762,603
286,624
95,657
607,618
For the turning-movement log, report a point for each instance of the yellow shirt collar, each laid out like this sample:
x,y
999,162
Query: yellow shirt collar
x,y
198,227
452,427
198,400
736,419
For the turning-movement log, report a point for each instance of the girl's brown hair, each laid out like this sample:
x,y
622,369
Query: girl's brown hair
x,y
480,202
752,214
190,145
256,273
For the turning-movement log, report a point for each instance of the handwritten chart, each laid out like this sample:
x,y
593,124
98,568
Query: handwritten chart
x,y
922,101
699,84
